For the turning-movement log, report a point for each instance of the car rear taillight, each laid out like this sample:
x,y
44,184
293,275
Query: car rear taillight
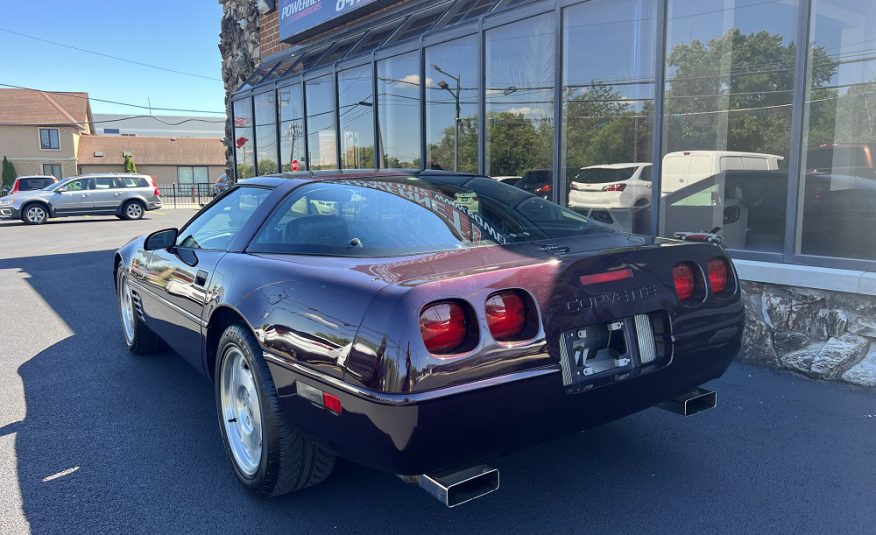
x,y
717,269
15,186
156,192
506,315
544,189
683,277
444,327
614,187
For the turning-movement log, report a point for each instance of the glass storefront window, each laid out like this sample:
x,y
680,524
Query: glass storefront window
x,y
244,148
356,107
608,103
266,132
398,110
452,98
291,128
520,91
838,186
727,124
321,128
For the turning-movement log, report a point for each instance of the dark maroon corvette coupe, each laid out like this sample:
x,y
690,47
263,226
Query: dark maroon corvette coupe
x,y
418,322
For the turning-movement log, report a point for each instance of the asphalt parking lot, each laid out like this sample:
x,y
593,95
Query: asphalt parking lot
x,y
95,440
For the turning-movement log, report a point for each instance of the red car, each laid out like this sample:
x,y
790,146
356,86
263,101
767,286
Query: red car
x,y
30,183
418,322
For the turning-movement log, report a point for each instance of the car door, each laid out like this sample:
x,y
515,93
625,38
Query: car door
x,y
106,195
179,278
73,197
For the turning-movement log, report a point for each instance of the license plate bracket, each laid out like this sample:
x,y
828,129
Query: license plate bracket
x,y
601,352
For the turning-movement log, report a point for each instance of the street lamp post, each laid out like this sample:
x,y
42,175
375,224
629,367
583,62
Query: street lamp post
x,y
443,85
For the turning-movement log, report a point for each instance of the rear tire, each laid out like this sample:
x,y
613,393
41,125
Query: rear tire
x,y
141,340
269,456
132,210
34,214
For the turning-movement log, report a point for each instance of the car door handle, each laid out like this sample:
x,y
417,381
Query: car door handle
x,y
201,278
117,194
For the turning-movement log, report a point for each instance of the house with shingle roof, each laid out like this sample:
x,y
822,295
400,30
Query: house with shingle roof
x,y
40,130
52,133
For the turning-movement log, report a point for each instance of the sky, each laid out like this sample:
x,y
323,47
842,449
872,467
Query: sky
x,y
181,35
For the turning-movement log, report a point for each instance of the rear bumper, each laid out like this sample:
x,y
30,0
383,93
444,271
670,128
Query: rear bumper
x,y
423,432
153,205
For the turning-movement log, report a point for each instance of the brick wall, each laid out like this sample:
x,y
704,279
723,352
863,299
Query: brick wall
x,y
269,34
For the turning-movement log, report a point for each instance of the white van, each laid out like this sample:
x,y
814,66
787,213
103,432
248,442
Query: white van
x,y
684,168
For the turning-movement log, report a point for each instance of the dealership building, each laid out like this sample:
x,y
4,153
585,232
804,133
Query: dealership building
x,y
655,116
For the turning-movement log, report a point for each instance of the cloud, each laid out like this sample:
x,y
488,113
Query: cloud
x,y
524,110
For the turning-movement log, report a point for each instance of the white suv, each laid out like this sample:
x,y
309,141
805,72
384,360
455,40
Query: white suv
x,y
610,186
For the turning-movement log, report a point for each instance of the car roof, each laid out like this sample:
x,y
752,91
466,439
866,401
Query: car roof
x,y
90,175
273,181
35,176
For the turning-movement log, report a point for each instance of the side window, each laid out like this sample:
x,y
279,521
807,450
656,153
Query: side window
x,y
216,227
645,174
104,183
79,185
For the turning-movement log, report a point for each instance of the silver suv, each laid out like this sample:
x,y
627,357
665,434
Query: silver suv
x,y
127,196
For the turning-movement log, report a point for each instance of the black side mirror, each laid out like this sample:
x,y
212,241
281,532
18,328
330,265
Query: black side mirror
x,y
161,239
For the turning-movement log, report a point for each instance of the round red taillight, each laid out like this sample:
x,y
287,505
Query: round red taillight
x,y
717,268
683,277
506,315
444,327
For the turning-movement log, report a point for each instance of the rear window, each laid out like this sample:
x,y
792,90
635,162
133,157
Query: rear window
x,y
31,184
602,175
389,217
836,157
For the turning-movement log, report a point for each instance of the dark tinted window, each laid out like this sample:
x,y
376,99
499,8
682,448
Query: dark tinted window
x,y
218,225
389,216
30,184
601,175
836,157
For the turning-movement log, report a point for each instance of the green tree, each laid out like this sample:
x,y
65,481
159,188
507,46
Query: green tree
x,y
517,144
442,151
266,167
130,166
8,173
752,76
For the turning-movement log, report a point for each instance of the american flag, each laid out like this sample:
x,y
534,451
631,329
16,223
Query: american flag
x,y
240,122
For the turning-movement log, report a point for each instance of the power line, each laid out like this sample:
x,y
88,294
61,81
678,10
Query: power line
x,y
140,106
117,58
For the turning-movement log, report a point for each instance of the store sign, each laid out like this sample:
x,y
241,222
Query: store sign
x,y
300,17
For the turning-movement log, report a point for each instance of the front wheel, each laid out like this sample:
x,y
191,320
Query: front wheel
x,y
269,456
141,340
34,214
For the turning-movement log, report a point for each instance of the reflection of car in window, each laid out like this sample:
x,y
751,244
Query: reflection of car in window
x,y
683,168
856,159
610,186
750,208
540,181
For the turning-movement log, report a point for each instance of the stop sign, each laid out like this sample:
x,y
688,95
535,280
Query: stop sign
x,y
294,165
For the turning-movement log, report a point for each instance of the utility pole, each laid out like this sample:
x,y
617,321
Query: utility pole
x,y
443,85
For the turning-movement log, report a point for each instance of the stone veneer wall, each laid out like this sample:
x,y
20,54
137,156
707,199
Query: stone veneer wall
x,y
821,334
239,46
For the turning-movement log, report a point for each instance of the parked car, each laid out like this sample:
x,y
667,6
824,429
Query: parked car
x,y
384,322
683,168
30,183
852,159
540,181
127,196
608,186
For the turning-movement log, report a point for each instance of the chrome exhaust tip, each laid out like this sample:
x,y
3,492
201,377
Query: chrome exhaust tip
x,y
697,400
456,487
